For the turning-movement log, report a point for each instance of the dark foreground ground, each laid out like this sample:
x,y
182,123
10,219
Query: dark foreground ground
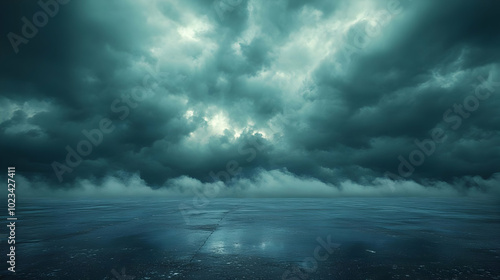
x,y
342,238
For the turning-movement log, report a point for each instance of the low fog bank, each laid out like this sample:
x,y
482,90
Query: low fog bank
x,y
264,184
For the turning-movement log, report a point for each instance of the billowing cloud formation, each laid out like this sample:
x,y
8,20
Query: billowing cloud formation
x,y
332,92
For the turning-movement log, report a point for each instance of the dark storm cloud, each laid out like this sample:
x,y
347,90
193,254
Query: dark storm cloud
x,y
310,88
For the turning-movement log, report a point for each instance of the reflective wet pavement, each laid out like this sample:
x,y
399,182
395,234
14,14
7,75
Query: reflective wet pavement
x,y
339,238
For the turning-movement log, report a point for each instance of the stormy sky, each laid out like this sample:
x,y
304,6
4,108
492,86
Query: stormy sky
x,y
283,95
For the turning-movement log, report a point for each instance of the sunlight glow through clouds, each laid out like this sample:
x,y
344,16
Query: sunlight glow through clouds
x,y
218,123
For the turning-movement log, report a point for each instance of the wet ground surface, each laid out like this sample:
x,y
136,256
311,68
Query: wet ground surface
x,y
342,238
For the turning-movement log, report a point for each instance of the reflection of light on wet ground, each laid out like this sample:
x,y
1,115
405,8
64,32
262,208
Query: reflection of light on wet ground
x,y
218,247
260,243
228,245
257,242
